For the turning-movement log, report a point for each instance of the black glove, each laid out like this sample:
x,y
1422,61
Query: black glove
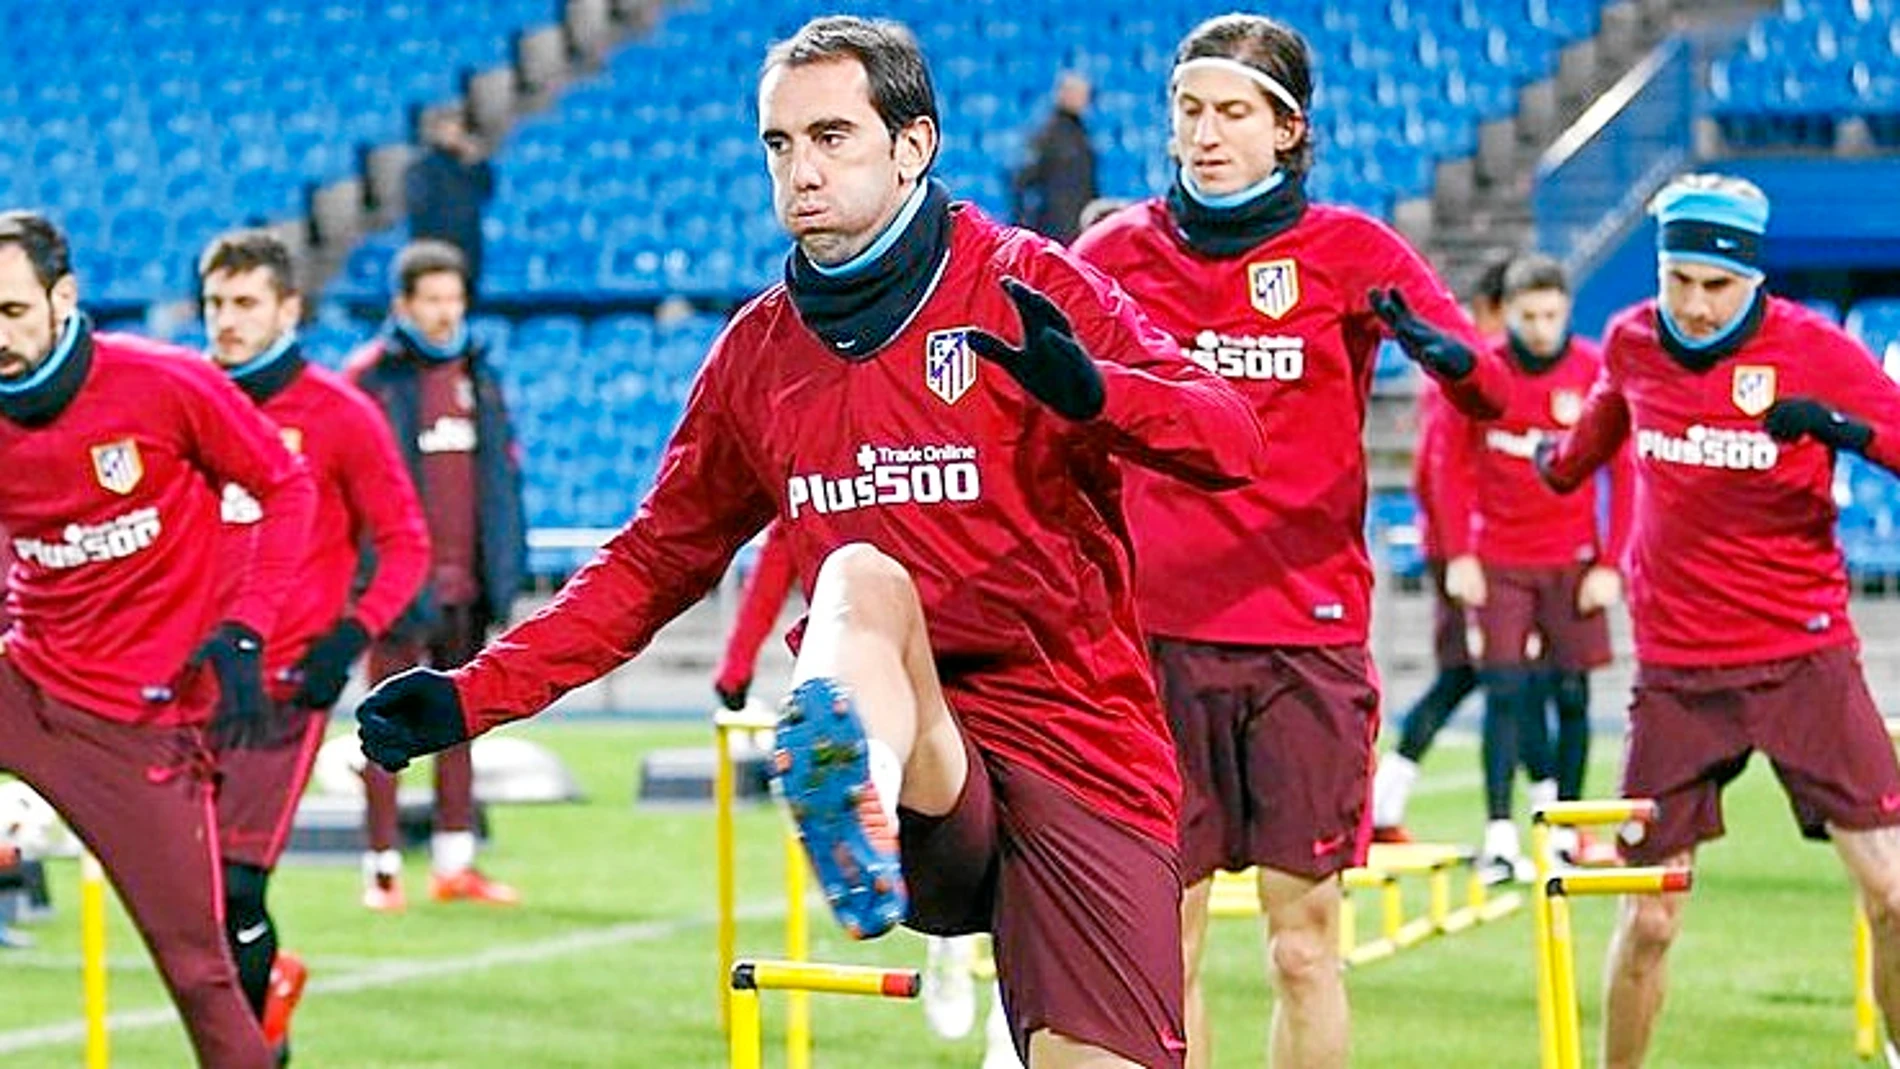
x,y
415,713
1792,419
1052,366
1430,348
242,720
1542,455
732,696
326,664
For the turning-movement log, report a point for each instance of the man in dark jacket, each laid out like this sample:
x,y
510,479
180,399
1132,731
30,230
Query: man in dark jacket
x,y
445,406
446,187
1058,180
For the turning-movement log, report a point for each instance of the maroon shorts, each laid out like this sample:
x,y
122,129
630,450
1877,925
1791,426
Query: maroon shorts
x,y
140,799
258,790
1276,750
1521,602
1087,912
1692,730
1449,623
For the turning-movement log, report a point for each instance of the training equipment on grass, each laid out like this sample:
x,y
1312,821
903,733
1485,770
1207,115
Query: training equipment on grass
x,y
1560,1042
92,959
797,934
799,978
1388,865
1866,1010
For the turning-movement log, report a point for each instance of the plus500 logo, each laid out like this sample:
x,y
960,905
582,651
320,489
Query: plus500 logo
x,y
913,475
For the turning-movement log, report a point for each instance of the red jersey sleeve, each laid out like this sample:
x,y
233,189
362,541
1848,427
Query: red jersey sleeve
x,y
705,503
765,592
1852,382
383,506
1622,516
233,442
1162,410
1390,262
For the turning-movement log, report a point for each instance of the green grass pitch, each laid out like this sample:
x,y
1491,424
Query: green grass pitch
x,y
610,962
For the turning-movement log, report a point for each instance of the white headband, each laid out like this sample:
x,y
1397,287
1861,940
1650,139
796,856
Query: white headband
x,y
1233,66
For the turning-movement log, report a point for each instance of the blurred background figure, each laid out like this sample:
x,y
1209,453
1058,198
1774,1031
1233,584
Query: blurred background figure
x,y
1058,179
446,187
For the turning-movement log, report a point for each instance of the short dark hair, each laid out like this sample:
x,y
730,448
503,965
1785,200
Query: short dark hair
x,y
1276,50
1534,271
427,257
43,243
238,251
1489,286
900,87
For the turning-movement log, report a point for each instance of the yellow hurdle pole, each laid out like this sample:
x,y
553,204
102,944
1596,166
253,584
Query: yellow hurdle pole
x,y
722,834
745,1045
92,943
826,978
798,949
1563,968
1596,811
725,787
1548,1057
1651,880
1866,1017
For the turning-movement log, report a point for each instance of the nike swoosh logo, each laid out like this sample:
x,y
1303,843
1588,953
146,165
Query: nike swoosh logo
x,y
252,934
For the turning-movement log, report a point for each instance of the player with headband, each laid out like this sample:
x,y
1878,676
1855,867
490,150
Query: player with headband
x,y
1256,601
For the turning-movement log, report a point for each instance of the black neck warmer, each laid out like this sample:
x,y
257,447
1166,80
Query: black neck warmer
x,y
1221,233
1530,362
45,400
857,314
268,379
1702,359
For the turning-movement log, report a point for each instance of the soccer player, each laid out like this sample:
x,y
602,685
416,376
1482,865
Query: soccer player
x,y
1457,677
1257,601
435,388
121,647
765,592
1532,563
1736,403
364,496
937,409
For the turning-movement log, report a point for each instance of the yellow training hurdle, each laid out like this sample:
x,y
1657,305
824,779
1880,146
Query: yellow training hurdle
x,y
801,978
1235,894
797,928
1558,1019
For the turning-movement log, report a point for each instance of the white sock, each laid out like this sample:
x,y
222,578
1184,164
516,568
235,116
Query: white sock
x,y
1391,787
381,863
1500,839
451,852
887,775
1542,792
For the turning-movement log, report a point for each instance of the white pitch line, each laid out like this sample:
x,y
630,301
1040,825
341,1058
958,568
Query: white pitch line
x,y
396,972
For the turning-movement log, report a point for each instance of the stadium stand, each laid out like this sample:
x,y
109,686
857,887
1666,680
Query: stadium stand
x,y
643,182
1801,73
228,113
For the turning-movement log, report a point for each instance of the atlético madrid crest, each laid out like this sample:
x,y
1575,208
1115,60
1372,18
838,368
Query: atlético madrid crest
x,y
1566,407
1753,389
117,465
949,365
1274,287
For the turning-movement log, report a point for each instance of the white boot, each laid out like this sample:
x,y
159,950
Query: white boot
x,y
1542,792
999,1051
949,990
1501,859
1391,789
